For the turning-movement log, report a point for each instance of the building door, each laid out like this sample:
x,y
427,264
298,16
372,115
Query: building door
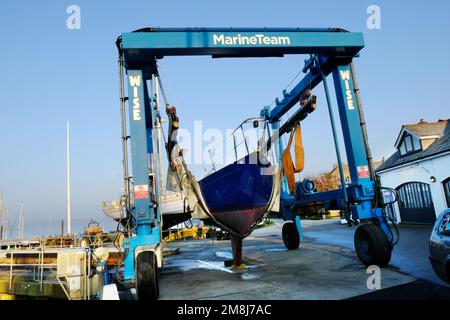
x,y
446,185
415,203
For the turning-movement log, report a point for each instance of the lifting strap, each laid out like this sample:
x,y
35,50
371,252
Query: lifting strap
x,y
288,165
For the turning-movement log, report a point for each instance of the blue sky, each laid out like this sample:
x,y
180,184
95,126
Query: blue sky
x,y
50,74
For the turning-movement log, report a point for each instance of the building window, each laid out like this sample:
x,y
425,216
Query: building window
x,y
402,149
409,144
446,184
416,144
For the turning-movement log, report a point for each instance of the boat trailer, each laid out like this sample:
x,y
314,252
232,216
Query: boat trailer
x,y
331,52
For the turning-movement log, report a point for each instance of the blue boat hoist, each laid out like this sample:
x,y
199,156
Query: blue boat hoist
x,y
331,52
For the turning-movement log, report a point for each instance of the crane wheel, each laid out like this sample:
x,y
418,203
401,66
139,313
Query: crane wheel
x,y
147,287
290,235
372,245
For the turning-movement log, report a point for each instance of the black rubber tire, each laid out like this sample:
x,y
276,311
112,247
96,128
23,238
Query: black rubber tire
x,y
147,286
290,235
372,245
447,273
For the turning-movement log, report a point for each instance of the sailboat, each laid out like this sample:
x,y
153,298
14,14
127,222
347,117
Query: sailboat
x,y
237,196
240,194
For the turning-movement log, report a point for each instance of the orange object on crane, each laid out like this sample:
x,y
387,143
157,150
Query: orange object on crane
x,y
93,228
288,165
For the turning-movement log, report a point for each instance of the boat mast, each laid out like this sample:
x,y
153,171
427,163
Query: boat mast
x,y
20,226
69,231
1,216
159,128
6,224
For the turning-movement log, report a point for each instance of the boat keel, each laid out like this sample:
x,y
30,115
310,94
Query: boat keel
x,y
236,247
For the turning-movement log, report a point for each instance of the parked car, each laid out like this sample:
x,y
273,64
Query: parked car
x,y
440,246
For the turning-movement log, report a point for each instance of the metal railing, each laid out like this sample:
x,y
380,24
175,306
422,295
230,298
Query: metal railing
x,y
38,270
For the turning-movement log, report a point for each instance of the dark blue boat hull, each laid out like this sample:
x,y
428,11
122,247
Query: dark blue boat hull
x,y
238,195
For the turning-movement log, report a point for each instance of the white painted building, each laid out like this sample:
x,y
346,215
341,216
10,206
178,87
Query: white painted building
x,y
420,171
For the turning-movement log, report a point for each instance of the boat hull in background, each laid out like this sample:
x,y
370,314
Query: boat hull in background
x,y
172,210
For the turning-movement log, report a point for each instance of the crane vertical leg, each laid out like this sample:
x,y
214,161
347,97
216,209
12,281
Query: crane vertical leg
x,y
144,251
373,239
292,230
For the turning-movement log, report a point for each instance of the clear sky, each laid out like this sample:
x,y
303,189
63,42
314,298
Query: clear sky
x,y
50,75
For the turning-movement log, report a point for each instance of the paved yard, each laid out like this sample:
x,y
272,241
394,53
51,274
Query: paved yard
x,y
410,256
325,266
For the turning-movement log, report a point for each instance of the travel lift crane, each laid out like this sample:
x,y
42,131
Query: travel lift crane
x,y
331,52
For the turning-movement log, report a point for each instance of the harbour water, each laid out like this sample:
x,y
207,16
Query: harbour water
x,y
42,227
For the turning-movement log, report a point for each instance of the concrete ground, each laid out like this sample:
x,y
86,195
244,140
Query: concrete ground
x,y
324,267
410,255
